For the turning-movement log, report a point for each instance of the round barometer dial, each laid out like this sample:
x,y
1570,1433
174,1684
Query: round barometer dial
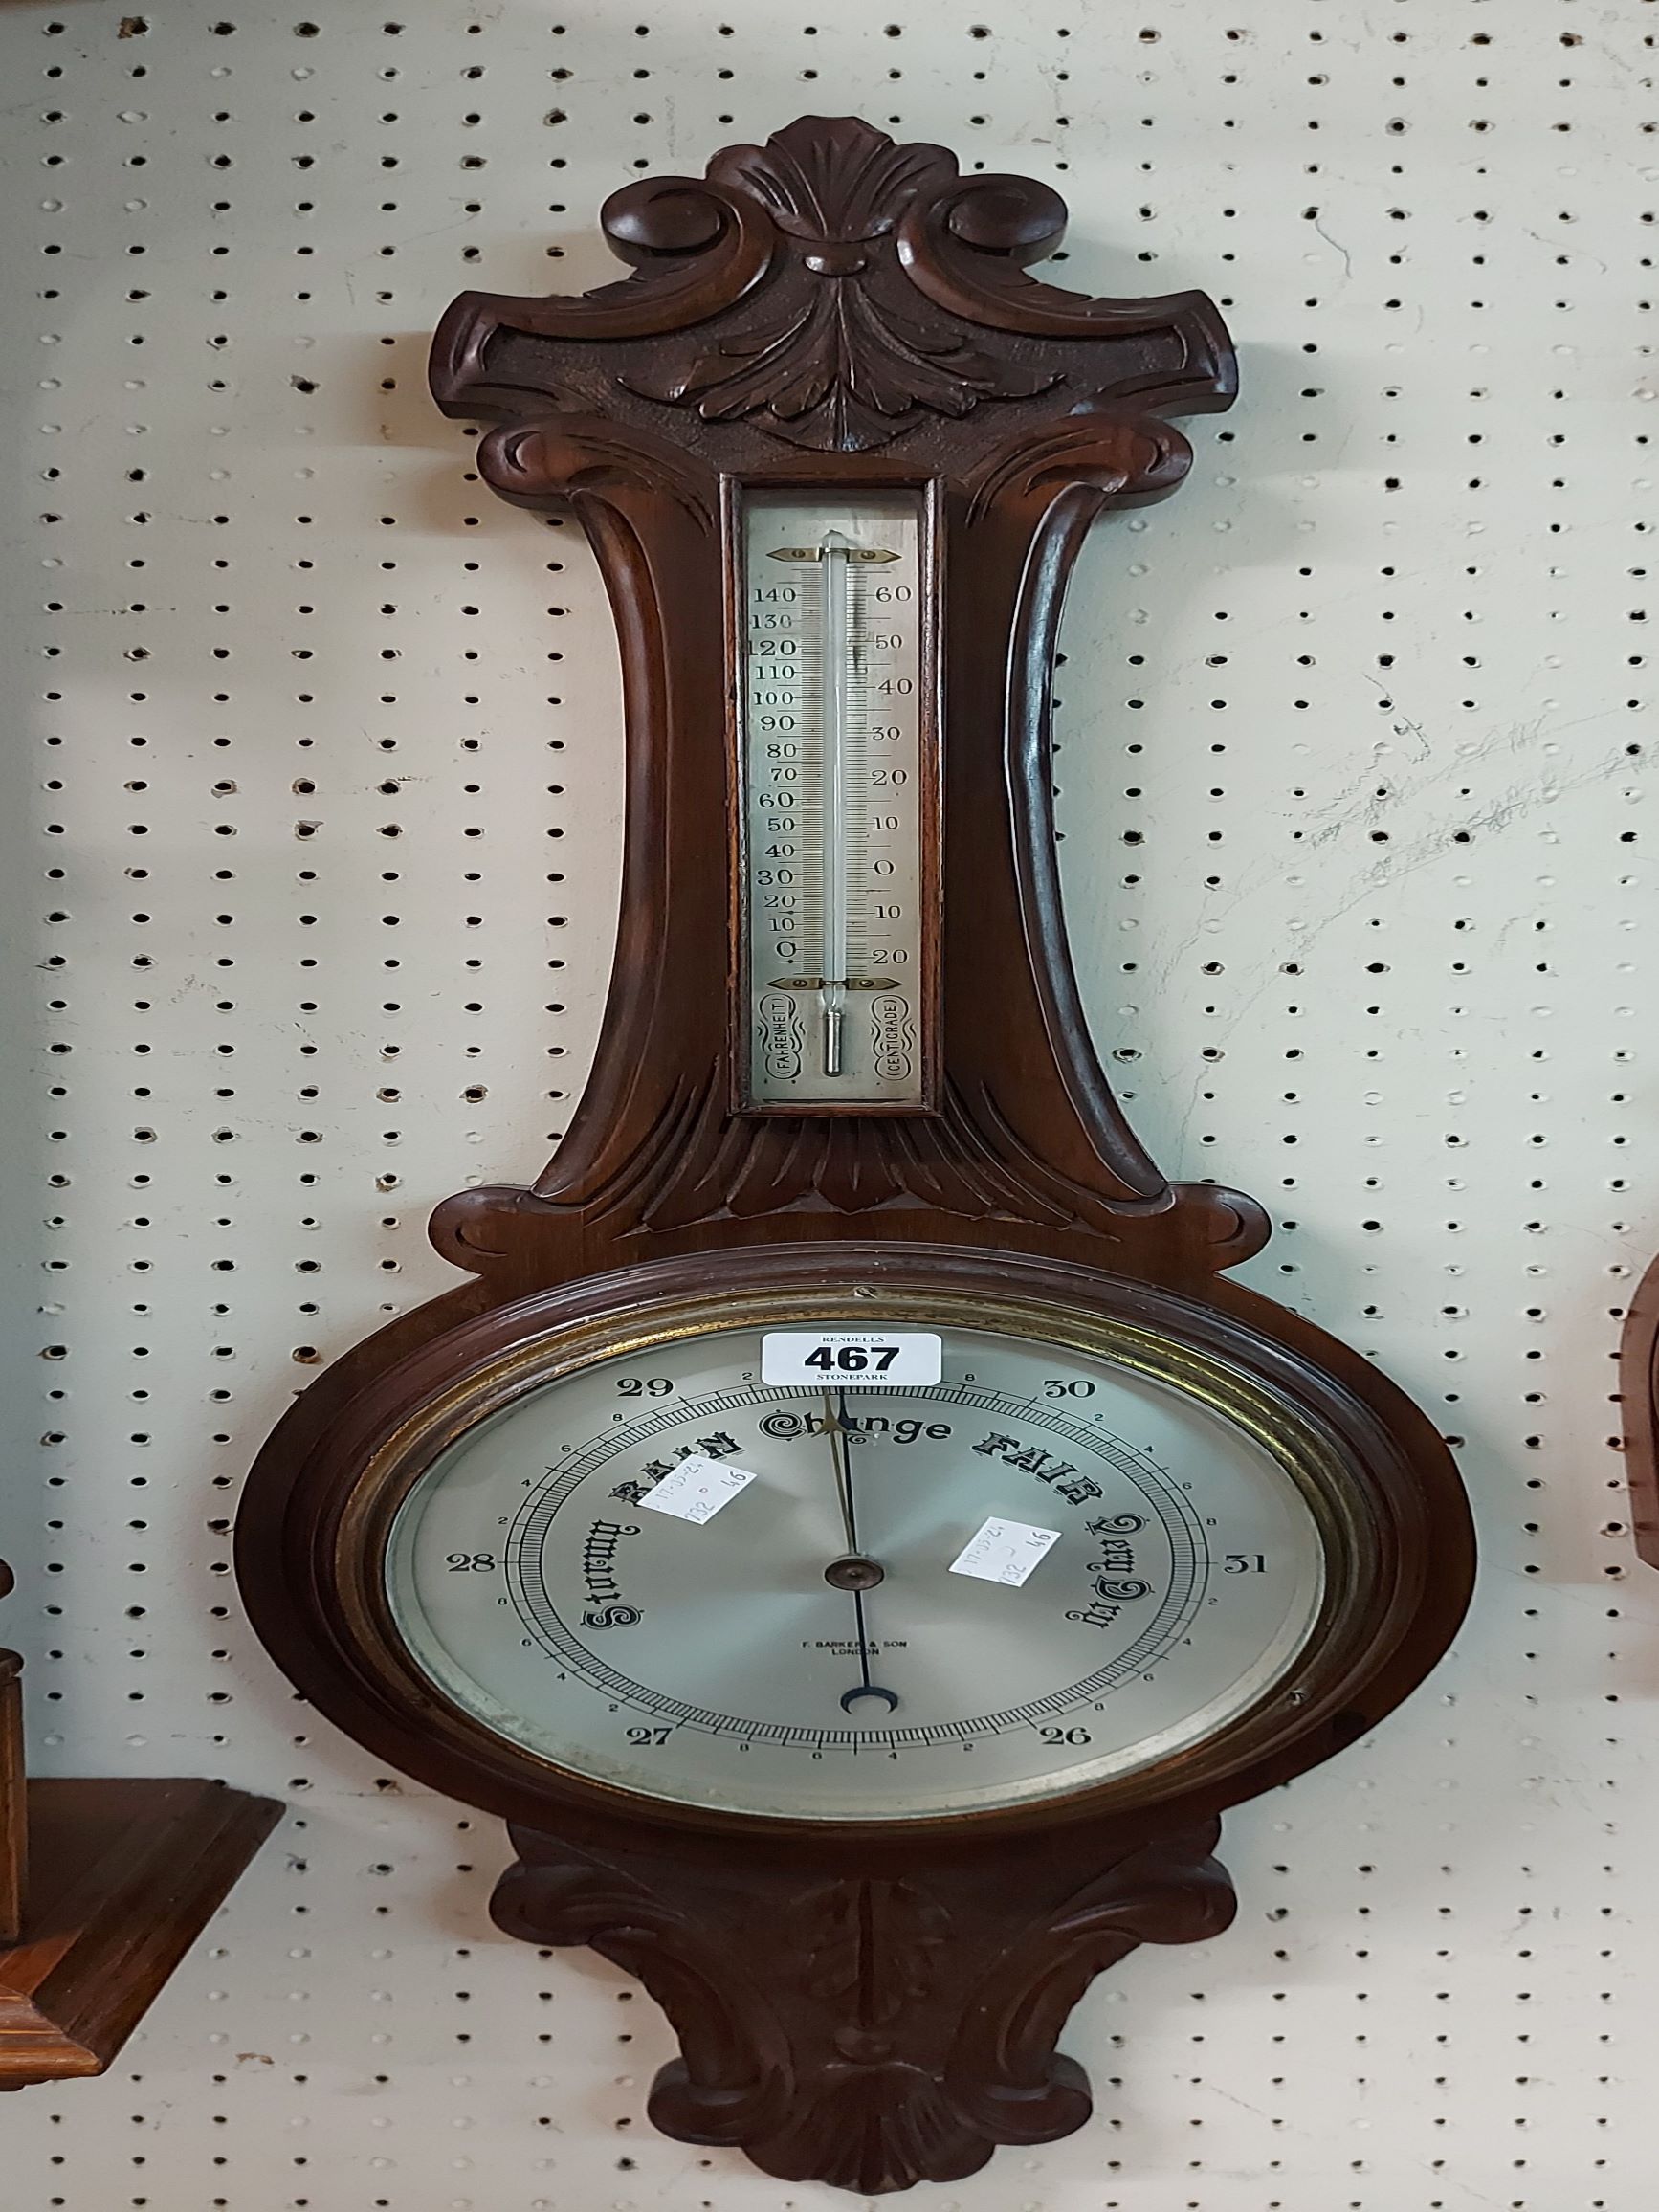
x,y
836,1573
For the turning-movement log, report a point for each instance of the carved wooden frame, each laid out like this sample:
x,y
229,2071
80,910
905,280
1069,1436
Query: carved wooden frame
x,y
871,2008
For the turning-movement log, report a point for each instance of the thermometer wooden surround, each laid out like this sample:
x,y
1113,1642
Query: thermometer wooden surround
x,y
847,1521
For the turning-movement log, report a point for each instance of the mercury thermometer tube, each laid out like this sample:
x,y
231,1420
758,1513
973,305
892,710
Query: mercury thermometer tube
x,y
836,870
836,646
832,856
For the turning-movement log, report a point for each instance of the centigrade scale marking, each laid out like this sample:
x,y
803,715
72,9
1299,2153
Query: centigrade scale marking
x,y
525,1560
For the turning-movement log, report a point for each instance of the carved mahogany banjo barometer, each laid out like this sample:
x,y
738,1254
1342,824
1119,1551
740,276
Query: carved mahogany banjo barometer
x,y
847,1522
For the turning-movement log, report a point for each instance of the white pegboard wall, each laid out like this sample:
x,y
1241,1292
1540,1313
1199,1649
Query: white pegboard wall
x,y
311,880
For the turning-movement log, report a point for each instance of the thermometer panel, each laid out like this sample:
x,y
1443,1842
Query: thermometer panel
x,y
838,867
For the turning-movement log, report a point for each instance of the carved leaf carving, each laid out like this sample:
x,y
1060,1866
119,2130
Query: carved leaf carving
x,y
866,2031
844,369
840,364
870,1943
831,289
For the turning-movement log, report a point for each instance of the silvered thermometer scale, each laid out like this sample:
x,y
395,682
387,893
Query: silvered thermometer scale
x,y
838,770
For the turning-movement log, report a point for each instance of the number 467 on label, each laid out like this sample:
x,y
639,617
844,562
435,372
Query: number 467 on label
x,y
861,1359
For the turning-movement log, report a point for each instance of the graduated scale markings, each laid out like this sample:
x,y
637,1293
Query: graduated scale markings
x,y
1111,1584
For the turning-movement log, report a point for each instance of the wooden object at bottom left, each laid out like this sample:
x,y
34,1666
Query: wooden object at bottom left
x,y
105,1884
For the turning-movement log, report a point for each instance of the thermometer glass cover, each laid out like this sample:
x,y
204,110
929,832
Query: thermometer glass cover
x,y
838,872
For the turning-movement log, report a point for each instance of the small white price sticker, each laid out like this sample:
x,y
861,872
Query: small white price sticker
x,y
1005,1551
861,1359
695,1488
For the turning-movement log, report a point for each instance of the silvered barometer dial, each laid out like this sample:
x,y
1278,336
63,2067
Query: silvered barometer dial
x,y
847,1519
1042,1572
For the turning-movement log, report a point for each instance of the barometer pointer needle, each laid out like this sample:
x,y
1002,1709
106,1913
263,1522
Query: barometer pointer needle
x,y
854,1572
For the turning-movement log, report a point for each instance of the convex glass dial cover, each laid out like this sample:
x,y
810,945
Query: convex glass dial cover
x,y
857,1601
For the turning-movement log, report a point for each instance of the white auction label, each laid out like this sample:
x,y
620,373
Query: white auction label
x,y
695,1488
862,1359
1005,1551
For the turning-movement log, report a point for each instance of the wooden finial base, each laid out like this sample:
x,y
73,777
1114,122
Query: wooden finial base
x,y
871,2031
